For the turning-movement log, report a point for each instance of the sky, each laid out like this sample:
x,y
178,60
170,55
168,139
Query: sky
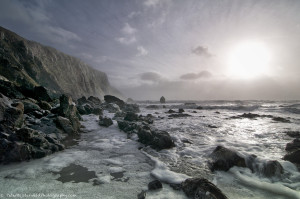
x,y
173,48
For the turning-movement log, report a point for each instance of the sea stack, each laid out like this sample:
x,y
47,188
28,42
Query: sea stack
x,y
162,100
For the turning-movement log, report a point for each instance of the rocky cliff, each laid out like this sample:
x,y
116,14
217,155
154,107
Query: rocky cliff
x,y
30,64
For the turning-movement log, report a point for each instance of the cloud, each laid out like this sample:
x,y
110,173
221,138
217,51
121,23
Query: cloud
x,y
126,40
133,14
193,76
202,51
151,3
150,76
129,35
141,51
127,29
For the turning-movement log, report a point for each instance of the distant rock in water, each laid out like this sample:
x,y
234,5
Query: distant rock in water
x,y
30,65
162,100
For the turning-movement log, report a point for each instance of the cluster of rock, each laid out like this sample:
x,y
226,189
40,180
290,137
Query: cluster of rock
x,y
32,122
255,116
223,159
140,125
193,187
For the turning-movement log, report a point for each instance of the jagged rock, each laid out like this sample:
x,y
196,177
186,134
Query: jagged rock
x,y
45,105
25,134
82,100
223,159
65,124
155,138
105,121
10,89
272,168
293,134
19,151
181,110
154,185
130,116
171,111
111,107
119,114
30,107
14,116
127,127
293,157
162,100
68,109
200,188
41,93
94,100
293,146
97,111
176,115
115,100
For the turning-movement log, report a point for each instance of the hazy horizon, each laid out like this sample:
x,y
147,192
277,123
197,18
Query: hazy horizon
x,y
183,50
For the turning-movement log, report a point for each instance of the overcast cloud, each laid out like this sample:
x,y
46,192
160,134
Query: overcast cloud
x,y
184,43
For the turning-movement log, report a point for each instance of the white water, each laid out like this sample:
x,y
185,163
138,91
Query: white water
x,y
107,150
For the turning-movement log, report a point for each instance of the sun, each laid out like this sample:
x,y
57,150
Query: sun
x,y
249,59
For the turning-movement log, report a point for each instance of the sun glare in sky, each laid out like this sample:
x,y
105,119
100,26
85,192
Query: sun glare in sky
x,y
249,59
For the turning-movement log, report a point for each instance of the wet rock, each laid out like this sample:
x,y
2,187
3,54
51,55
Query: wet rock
x,y
112,108
115,100
152,107
65,125
30,107
154,185
155,138
25,134
176,187
179,115
105,121
19,152
130,116
199,108
162,100
212,126
14,116
82,100
67,109
272,168
45,105
41,93
293,157
181,110
201,188
142,195
10,89
280,119
293,146
293,134
223,159
95,100
127,127
171,111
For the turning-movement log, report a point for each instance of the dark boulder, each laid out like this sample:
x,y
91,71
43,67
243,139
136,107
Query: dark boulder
x,y
223,159
130,116
30,106
82,100
199,108
127,127
14,116
171,111
197,188
131,108
111,107
44,105
272,168
293,134
154,185
113,99
293,146
152,106
293,157
41,94
94,100
177,115
68,109
105,121
162,100
181,110
65,125
10,89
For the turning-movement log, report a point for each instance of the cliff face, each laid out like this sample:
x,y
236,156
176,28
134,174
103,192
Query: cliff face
x,y
31,64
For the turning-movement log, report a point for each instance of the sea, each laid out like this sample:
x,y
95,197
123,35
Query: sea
x,y
107,163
